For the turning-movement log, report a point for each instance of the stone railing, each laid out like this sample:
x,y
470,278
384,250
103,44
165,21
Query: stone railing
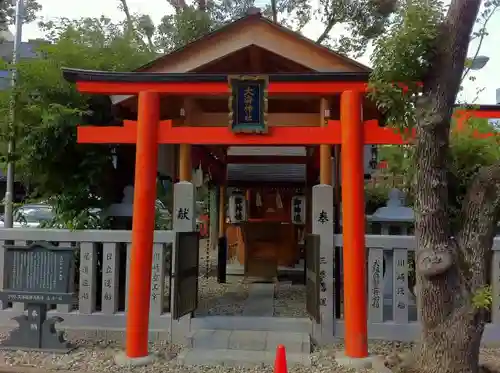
x,y
100,281
392,315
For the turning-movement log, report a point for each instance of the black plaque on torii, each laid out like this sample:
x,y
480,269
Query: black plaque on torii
x,y
37,275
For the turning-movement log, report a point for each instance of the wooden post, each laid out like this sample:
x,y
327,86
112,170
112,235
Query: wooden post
x,y
325,151
337,229
222,249
213,218
248,197
185,169
185,161
143,225
353,195
222,211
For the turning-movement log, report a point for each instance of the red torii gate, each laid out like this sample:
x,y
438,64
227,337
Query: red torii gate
x,y
149,131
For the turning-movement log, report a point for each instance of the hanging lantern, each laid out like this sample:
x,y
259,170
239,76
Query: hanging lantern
x,y
279,203
237,208
298,209
374,157
198,177
258,200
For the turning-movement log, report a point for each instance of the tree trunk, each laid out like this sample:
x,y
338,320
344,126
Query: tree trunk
x,y
451,342
450,265
130,23
274,10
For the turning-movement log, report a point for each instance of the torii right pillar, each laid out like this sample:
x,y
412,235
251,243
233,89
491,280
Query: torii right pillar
x,y
353,229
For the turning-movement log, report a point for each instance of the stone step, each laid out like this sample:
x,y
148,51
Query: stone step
x,y
237,358
249,340
277,324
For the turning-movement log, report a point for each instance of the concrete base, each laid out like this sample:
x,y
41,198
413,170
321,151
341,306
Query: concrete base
x,y
122,360
354,363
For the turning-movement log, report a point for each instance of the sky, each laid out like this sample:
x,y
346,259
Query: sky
x,y
481,91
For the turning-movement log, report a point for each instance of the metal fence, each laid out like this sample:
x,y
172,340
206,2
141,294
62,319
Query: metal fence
x,y
392,311
101,278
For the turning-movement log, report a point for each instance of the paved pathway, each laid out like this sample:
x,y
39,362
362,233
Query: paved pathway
x,y
260,301
234,345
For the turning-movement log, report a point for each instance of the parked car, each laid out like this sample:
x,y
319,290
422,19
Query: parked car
x,y
31,215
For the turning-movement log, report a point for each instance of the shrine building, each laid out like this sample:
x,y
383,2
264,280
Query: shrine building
x,y
284,131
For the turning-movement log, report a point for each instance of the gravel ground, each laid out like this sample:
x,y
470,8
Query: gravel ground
x,y
98,357
290,300
220,299
214,298
228,299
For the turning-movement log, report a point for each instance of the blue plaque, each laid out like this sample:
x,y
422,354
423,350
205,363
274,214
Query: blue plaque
x,y
248,104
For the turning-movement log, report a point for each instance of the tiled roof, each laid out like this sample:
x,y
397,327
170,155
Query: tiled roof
x,y
296,151
266,172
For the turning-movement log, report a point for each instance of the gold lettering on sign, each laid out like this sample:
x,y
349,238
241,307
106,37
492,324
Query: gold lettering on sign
x,y
248,101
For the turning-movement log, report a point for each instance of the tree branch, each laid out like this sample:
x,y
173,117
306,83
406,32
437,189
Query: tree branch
x,y
202,5
179,5
130,24
481,210
274,11
481,39
331,22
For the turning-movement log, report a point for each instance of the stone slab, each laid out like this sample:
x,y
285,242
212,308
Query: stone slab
x,y
209,339
278,324
237,358
260,301
293,342
249,340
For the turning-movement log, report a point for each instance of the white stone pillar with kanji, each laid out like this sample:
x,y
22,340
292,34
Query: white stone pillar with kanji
x,y
184,220
322,225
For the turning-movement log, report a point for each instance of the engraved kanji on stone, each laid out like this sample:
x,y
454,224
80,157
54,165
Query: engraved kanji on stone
x,y
323,217
183,213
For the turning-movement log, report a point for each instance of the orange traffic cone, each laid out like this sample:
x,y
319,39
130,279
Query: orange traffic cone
x,y
280,362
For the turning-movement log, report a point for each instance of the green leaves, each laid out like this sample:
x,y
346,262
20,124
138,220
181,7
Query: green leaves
x,y
483,298
7,12
468,153
75,177
403,56
362,21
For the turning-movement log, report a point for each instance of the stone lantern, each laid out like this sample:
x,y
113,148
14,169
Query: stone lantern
x,y
122,212
393,219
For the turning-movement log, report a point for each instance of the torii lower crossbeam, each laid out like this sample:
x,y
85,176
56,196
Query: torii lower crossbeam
x,y
296,135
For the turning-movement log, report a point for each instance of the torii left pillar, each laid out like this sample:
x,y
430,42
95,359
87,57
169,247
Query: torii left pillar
x,y
143,225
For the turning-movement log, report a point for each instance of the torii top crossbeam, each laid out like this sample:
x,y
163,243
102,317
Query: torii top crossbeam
x,y
318,84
